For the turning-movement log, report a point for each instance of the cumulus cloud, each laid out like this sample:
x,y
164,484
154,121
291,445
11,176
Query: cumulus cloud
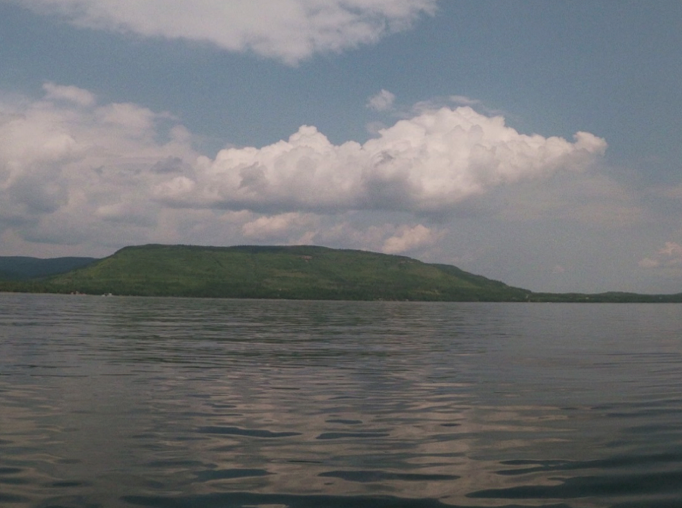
x,y
74,170
344,231
427,164
278,227
669,256
288,30
410,238
67,160
383,101
68,93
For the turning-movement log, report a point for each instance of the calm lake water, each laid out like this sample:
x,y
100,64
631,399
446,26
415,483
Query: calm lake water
x,y
190,403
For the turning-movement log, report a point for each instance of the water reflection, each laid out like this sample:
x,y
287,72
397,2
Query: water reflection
x,y
181,402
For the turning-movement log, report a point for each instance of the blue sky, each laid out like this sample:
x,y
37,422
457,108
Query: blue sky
x,y
442,130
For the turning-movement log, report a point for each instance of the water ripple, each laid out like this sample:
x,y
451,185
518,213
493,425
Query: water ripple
x,y
122,402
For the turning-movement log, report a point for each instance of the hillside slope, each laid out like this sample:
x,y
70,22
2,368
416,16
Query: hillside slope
x,y
300,272
23,267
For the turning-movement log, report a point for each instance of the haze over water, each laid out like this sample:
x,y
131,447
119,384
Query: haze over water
x,y
128,402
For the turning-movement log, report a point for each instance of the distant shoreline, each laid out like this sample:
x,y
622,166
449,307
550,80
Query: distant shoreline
x,y
277,273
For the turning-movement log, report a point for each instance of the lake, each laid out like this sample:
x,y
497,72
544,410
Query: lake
x,y
189,403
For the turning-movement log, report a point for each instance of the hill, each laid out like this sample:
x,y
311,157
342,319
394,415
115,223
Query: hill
x,y
300,272
24,268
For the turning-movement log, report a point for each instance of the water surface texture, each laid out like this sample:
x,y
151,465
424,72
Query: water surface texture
x,y
190,403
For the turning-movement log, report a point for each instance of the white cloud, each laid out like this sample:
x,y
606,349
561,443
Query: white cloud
x,y
449,101
427,164
350,234
357,231
74,171
288,30
69,167
68,93
277,227
128,117
383,101
410,238
462,100
669,256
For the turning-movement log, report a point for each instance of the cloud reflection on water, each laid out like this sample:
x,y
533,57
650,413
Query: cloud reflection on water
x,y
174,402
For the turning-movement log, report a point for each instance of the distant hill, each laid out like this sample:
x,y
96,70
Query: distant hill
x,y
24,268
300,272
296,272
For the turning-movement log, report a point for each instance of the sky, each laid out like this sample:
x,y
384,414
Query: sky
x,y
535,142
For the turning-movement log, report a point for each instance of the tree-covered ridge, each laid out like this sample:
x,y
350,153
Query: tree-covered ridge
x,y
24,267
298,272
291,272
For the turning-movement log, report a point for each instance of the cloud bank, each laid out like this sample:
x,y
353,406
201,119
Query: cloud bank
x,y
73,170
69,167
287,30
427,164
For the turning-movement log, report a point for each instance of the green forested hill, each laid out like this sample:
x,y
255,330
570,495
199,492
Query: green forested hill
x,y
23,267
300,272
